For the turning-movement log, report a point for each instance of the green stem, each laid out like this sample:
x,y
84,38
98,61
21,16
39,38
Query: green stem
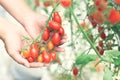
x,y
119,44
85,35
71,28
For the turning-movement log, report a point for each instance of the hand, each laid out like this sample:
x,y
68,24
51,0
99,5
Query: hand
x,y
34,24
12,36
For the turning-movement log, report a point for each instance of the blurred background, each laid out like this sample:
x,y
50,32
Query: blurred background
x,y
75,45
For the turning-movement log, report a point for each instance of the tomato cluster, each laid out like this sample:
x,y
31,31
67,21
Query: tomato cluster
x,y
102,17
43,51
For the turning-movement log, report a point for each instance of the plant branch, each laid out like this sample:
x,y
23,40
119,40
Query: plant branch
x,y
85,35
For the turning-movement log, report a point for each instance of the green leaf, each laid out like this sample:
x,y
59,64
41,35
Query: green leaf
x,y
113,53
116,28
116,61
110,36
110,55
85,59
107,74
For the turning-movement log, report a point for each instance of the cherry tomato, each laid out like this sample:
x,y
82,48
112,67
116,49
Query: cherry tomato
x,y
30,59
117,1
61,31
47,3
101,43
56,17
37,3
54,25
40,59
42,49
103,35
25,53
50,45
46,34
66,3
100,29
53,55
56,39
101,51
101,5
34,50
75,71
46,57
98,17
114,16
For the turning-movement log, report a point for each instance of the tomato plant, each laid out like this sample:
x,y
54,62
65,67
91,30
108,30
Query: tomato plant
x,y
97,36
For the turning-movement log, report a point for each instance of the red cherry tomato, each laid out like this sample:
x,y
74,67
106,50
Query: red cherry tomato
x,y
46,57
101,43
100,29
101,51
53,55
37,3
46,34
117,1
101,5
56,17
103,35
66,3
34,50
56,39
98,17
54,25
47,3
75,71
61,31
114,16
30,59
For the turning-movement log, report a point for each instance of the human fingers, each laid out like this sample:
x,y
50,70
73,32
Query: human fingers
x,y
19,59
38,64
59,49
